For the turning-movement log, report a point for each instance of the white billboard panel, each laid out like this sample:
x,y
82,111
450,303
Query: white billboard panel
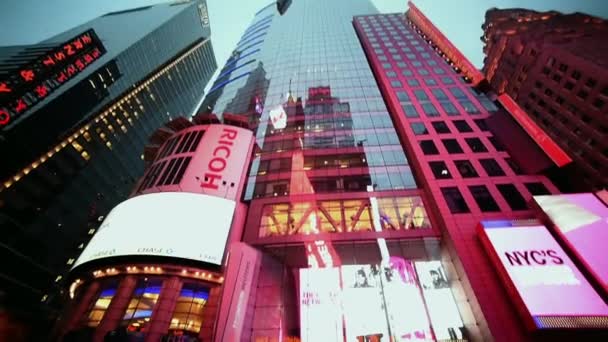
x,y
169,224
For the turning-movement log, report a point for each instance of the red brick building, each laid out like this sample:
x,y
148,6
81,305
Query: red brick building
x,y
555,66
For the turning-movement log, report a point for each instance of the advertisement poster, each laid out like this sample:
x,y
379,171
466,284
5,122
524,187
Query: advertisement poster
x,y
404,305
443,312
320,305
546,279
581,220
364,314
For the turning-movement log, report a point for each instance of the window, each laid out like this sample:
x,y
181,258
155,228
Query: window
x,y
422,72
401,65
582,94
386,65
396,84
412,82
476,145
440,170
391,74
452,146
598,103
406,72
454,200
449,108
438,71
421,95
447,80
431,62
419,128
428,147
468,106
481,123
189,307
466,169
487,104
429,109
439,94
441,127
144,298
458,93
537,189
512,196
491,167
462,126
430,81
497,145
410,111
402,96
98,308
483,198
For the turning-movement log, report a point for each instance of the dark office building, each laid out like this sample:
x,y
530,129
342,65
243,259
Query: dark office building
x,y
554,66
75,113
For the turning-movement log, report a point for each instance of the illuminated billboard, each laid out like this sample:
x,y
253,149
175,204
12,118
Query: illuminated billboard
x,y
439,299
35,81
548,288
581,221
168,224
372,302
278,117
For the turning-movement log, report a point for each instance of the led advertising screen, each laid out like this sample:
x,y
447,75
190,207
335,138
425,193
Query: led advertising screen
x,y
35,81
549,286
363,303
581,221
363,306
168,224
320,305
443,312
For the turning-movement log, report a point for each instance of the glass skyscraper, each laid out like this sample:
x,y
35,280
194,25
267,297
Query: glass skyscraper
x,y
75,152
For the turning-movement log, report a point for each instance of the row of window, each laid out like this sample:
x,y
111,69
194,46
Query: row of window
x,y
358,183
466,169
484,199
452,146
396,213
187,314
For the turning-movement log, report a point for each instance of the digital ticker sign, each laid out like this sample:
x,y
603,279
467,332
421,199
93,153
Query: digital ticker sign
x,y
36,80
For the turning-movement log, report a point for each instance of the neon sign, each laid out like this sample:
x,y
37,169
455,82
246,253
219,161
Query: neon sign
x,y
35,81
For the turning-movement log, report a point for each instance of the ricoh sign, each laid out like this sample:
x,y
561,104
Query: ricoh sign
x,y
545,283
220,163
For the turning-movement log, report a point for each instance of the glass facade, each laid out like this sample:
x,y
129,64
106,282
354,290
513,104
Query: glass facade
x,y
337,135
69,162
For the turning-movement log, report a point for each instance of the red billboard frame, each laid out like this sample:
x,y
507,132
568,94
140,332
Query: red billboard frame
x,y
536,322
544,141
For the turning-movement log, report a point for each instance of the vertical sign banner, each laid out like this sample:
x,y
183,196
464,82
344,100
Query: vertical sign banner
x,y
550,290
364,316
405,309
443,311
581,221
320,307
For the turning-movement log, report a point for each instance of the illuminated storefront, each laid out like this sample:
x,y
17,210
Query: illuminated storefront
x,y
153,269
